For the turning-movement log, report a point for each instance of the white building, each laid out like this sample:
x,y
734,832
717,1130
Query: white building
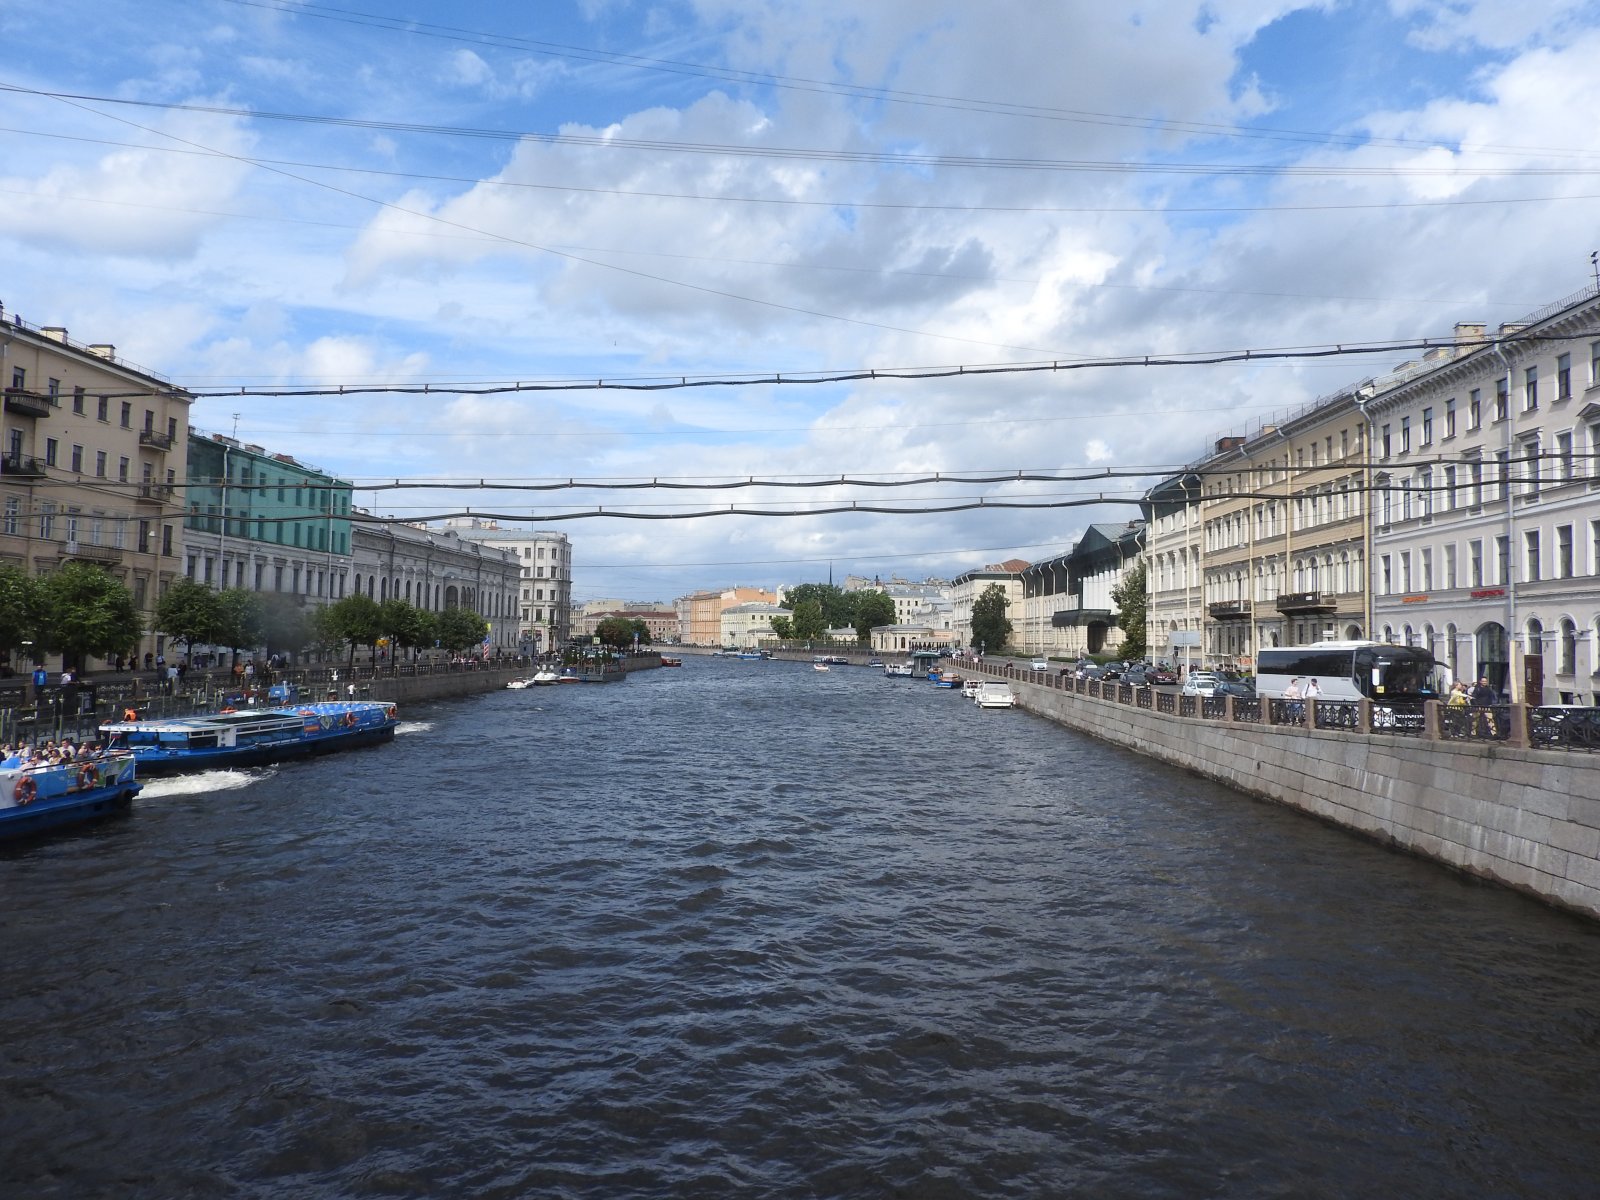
x,y
544,602
436,569
746,626
1486,470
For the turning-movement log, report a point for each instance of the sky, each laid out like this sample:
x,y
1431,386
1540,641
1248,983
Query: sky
x,y
891,205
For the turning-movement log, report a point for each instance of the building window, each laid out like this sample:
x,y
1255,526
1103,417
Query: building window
x,y
1563,551
1427,427
1531,545
166,540
1502,462
101,405
50,448
1563,377
1427,568
1502,397
1530,466
1425,493
1386,575
1564,456
100,464
1530,389
1594,363
19,378
47,520
1502,553
1405,570
54,387
1451,491
1450,417
127,414
1475,562
1594,546
78,398
77,458
1450,581
1474,409
1405,435
122,470
1385,441
14,510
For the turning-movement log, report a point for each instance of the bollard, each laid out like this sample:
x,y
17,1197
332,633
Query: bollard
x,y
1517,734
1363,715
1431,730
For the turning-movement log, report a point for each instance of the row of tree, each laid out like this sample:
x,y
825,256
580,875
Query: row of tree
x,y
82,612
191,613
815,608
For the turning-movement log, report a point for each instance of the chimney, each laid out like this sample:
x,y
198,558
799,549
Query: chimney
x,y
104,350
1228,443
1511,327
1469,331
55,333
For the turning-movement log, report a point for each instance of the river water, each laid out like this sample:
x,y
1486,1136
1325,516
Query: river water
x,y
745,929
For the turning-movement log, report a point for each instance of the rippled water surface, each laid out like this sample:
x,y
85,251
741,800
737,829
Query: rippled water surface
x,y
744,929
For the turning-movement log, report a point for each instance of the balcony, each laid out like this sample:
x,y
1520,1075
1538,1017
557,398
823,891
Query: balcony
x,y
21,464
154,439
88,553
27,404
155,493
1294,603
1229,610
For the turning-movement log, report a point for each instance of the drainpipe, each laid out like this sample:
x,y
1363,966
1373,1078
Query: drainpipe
x,y
1513,638
1364,396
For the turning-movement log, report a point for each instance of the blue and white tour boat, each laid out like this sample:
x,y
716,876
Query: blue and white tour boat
x,y
36,798
252,737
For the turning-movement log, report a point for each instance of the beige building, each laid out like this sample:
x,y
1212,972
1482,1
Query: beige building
x,y
94,464
1282,544
700,613
1174,603
967,587
746,626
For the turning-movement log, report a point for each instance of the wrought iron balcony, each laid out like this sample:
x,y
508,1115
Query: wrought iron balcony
x,y
100,554
155,492
27,404
1229,610
155,439
1306,602
21,464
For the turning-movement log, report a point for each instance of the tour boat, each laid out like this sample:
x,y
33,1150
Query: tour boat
x,y
34,799
252,737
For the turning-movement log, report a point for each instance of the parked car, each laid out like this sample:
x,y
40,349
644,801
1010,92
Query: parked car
x,y
1112,670
1038,664
1162,673
1136,677
1200,683
1242,689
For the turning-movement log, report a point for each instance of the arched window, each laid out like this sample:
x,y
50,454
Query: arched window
x,y
1567,665
1451,653
1535,636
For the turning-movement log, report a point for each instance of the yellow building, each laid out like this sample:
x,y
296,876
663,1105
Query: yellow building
x,y
95,458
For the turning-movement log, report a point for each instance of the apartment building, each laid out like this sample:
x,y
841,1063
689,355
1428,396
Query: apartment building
x,y
700,613
93,464
1174,600
1487,524
969,585
264,522
543,611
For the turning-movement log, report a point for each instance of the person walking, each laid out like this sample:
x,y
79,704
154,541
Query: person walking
x,y
1482,699
1292,696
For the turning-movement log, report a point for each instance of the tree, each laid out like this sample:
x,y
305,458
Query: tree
x,y
620,632
19,608
460,629
783,628
354,620
90,613
872,608
239,620
832,601
188,613
1129,597
404,624
990,627
808,620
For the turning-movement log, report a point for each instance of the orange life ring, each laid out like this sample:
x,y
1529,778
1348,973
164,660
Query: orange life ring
x,y
88,777
27,788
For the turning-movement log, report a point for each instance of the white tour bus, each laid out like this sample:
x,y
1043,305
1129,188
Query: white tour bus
x,y
1349,671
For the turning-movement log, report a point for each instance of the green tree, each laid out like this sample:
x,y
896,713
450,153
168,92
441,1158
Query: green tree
x,y
1132,606
240,623
404,624
188,613
90,613
832,601
808,620
872,608
783,627
991,629
620,632
324,630
19,608
355,620
460,629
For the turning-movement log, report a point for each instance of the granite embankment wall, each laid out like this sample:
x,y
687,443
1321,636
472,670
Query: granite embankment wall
x,y
1528,819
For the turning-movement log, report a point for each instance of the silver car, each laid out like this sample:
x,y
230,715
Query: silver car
x,y
1200,683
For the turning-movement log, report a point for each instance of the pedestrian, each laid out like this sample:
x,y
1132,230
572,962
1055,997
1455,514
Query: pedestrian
x,y
1292,696
350,690
1313,692
1483,698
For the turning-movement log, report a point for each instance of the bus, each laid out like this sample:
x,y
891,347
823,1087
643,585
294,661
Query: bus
x,y
1350,671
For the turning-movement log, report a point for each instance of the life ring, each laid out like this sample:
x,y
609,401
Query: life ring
x,y
130,714
228,708
89,777
27,788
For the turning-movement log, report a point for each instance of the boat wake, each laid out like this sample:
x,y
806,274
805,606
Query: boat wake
x,y
201,783
412,727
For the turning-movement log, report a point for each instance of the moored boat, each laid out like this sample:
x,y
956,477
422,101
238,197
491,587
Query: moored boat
x,y
995,694
899,669
544,678
252,737
671,660
34,799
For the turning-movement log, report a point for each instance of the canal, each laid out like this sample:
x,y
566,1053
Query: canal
x,y
745,929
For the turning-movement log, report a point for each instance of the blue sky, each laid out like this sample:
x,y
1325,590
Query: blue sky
x,y
477,193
